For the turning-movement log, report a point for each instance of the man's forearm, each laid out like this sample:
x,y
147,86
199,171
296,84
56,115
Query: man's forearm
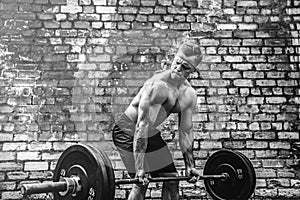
x,y
139,147
186,144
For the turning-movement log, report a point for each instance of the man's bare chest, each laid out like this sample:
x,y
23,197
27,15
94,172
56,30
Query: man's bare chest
x,y
175,101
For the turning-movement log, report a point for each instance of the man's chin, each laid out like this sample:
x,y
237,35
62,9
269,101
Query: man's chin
x,y
175,74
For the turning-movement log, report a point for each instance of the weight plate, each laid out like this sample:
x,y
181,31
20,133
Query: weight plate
x,y
102,163
81,160
252,173
110,175
239,185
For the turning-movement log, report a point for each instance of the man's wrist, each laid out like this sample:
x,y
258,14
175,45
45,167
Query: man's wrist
x,y
140,172
189,165
190,168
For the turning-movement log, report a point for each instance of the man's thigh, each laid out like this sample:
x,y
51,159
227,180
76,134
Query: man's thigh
x,y
158,158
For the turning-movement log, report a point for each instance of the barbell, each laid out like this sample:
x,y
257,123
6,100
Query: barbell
x,y
85,172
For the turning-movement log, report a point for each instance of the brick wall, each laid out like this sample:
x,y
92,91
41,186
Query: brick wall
x,y
68,67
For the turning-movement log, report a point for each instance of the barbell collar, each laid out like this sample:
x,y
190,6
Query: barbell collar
x,y
65,186
36,188
73,186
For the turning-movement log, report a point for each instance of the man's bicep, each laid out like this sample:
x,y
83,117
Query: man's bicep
x,y
151,100
143,108
186,117
146,101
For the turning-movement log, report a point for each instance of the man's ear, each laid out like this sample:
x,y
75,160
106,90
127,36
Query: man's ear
x,y
166,64
194,74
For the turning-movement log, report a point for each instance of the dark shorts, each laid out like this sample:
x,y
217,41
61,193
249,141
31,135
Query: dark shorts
x,y
158,158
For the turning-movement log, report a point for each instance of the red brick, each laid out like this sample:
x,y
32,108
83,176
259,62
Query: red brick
x,y
28,156
59,2
7,156
247,3
265,173
36,166
242,26
256,144
11,195
289,192
226,26
280,145
234,144
44,175
11,166
16,146
243,83
288,135
266,192
266,153
17,175
275,100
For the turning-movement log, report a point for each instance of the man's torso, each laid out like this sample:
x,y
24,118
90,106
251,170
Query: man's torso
x,y
177,98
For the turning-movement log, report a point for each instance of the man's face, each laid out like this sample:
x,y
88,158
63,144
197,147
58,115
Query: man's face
x,y
180,68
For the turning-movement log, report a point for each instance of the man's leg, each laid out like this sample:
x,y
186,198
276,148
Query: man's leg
x,y
138,192
170,190
124,144
160,162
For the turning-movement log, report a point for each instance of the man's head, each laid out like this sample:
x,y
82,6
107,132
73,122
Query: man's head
x,y
187,58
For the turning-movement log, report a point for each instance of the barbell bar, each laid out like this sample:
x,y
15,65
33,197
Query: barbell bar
x,y
85,172
72,185
175,178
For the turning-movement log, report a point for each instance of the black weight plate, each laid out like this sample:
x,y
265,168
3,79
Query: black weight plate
x,y
252,171
105,177
110,174
81,158
239,186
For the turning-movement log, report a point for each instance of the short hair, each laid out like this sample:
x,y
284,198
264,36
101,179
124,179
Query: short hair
x,y
190,52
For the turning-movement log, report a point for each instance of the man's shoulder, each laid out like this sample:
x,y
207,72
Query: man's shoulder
x,y
156,85
188,88
188,94
160,74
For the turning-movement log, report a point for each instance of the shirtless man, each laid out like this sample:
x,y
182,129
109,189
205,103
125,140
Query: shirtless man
x,y
141,147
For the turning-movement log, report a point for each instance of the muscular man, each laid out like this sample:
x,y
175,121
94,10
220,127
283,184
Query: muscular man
x,y
141,147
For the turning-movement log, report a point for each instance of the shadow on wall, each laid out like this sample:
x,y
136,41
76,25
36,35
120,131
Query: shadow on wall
x,y
111,75
80,96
